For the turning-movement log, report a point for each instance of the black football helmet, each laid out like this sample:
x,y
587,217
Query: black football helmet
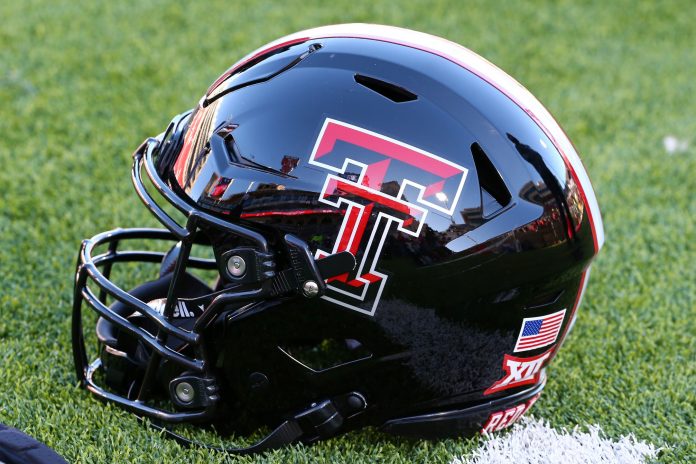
x,y
400,236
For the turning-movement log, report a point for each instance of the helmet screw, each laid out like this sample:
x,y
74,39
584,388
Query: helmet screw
x,y
236,266
184,392
310,289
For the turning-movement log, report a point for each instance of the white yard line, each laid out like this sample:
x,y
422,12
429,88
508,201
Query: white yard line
x,y
534,441
674,145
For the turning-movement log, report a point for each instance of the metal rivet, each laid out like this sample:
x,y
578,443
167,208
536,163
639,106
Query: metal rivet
x,y
310,289
236,266
184,392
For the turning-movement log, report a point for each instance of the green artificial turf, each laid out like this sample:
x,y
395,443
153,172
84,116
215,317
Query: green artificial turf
x,y
83,83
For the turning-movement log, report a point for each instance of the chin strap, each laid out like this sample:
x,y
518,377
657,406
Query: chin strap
x,y
321,420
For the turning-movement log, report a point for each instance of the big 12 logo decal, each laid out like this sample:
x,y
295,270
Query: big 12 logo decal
x,y
382,183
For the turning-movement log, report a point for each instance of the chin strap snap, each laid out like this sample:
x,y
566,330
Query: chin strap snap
x,y
320,420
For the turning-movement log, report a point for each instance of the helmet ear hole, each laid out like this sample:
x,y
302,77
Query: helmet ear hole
x,y
328,353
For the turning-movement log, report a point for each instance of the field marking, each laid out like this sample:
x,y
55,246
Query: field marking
x,y
534,441
674,145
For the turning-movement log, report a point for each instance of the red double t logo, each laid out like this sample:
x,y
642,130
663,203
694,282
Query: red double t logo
x,y
384,185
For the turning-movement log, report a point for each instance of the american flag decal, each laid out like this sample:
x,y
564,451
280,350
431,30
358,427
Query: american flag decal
x,y
537,332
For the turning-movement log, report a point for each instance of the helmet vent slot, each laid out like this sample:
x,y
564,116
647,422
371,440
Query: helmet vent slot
x,y
544,300
494,193
320,355
388,90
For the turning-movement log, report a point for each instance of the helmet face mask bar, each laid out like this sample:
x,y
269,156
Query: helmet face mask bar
x,y
388,228
262,284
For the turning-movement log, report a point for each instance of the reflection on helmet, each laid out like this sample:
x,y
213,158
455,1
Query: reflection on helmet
x,y
364,225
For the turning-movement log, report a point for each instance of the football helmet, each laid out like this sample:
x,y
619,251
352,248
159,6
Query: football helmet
x,y
395,233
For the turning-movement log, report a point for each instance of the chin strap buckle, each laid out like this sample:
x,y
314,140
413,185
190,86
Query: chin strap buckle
x,y
324,419
321,420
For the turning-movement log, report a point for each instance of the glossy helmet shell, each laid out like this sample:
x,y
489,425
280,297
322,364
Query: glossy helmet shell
x,y
465,205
